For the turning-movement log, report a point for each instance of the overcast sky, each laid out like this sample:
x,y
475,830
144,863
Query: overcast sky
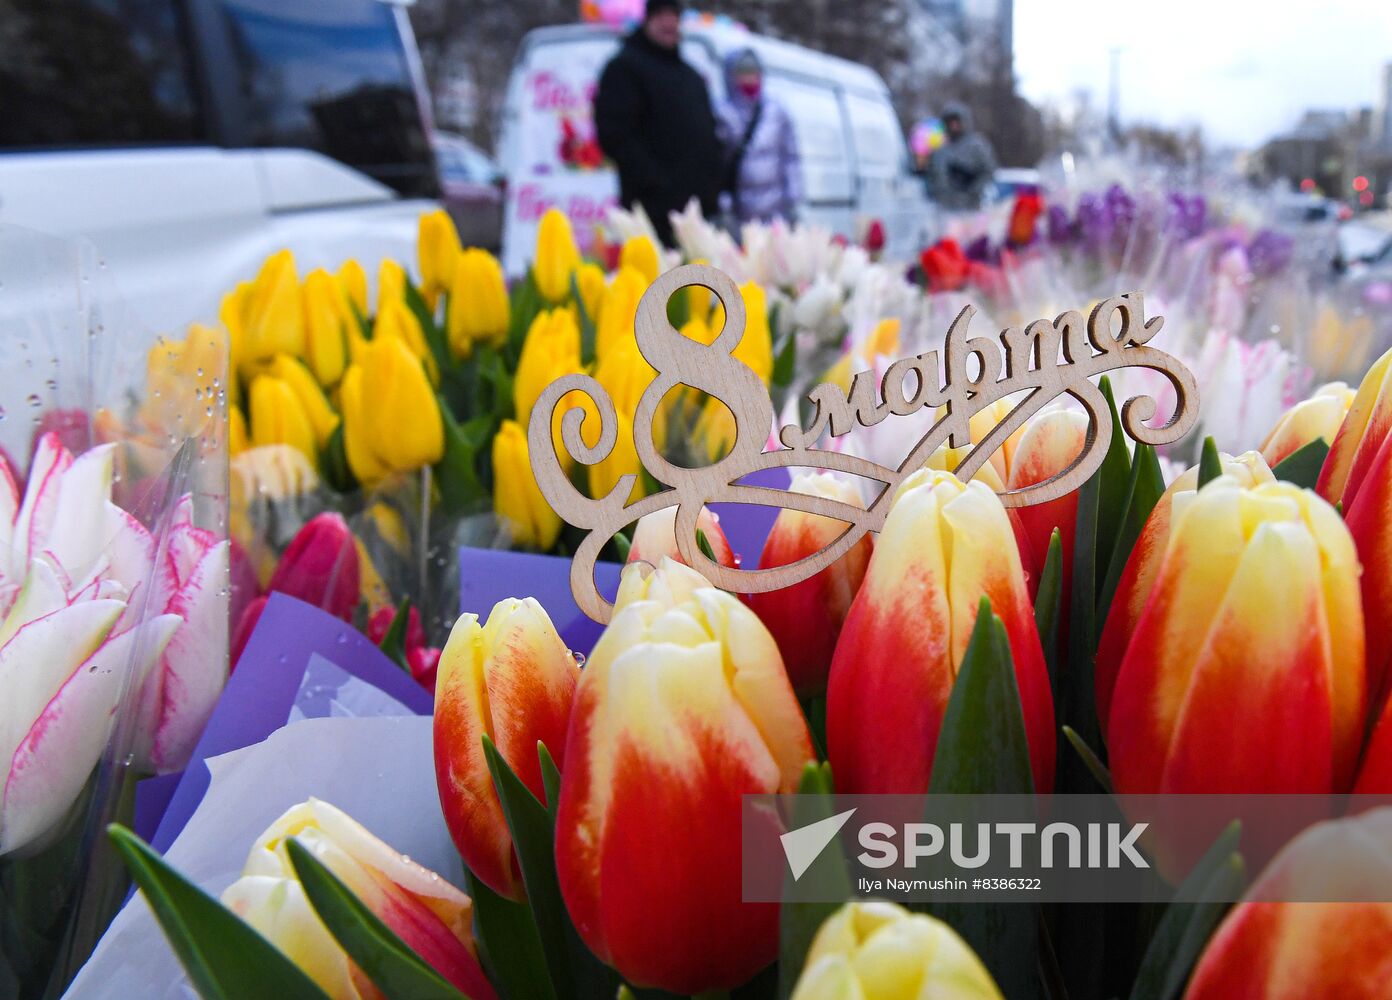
x,y
1242,69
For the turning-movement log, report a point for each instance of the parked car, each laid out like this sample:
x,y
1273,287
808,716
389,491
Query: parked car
x,y
855,162
189,139
472,190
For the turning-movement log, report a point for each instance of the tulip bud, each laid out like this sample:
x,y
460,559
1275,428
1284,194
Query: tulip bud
x,y
655,538
640,254
395,320
322,417
391,284
352,279
437,249
1269,949
278,417
1051,442
683,708
907,631
806,618
320,567
512,680
479,311
432,917
1253,627
551,350
1143,566
1309,420
517,499
1361,435
881,950
618,310
272,315
590,280
326,343
556,257
391,419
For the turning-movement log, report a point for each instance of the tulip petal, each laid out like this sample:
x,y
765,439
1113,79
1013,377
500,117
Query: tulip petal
x,y
35,519
191,673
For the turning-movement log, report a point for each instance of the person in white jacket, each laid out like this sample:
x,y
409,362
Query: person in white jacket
x,y
763,173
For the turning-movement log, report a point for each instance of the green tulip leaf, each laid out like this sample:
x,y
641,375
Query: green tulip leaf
x,y
457,470
623,545
799,922
225,958
364,325
1047,606
394,642
1210,463
433,332
373,946
1089,758
983,749
1114,485
784,357
1146,486
1302,466
333,459
508,942
703,543
1191,919
574,971
1076,704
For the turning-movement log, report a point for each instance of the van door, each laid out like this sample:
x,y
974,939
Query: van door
x,y
885,187
824,148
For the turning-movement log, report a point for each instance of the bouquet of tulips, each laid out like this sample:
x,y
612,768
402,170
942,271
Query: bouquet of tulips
x,y
406,415
1211,631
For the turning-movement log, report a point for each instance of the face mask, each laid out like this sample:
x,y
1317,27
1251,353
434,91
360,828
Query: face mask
x,y
751,88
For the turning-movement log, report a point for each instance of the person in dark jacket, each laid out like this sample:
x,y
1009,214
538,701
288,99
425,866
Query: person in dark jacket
x,y
963,167
653,118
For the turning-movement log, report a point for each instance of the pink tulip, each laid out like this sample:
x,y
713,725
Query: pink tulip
x,y
320,567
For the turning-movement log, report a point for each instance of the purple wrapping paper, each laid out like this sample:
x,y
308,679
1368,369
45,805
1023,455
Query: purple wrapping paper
x,y
487,576
258,697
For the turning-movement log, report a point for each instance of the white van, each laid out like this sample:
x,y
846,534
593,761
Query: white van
x,y
855,161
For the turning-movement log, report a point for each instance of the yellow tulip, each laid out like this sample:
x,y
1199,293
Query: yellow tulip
x,y
589,278
516,498
552,349
755,348
183,379
312,400
392,422
271,313
618,310
391,284
278,417
639,253
326,343
395,321
353,280
877,950
478,311
557,257
437,249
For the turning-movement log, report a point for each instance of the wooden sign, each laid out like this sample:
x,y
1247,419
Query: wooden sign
x,y
1044,360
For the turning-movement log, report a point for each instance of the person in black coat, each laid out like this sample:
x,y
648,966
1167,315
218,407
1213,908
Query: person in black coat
x,y
653,118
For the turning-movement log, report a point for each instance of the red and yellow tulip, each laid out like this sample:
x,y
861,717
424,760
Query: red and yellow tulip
x,y
1309,420
683,709
1050,443
1138,577
513,680
908,629
655,537
1245,670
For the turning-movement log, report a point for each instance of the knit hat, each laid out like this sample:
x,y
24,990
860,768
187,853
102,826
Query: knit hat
x,y
658,6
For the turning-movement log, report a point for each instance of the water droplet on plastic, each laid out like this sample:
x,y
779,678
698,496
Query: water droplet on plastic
x,y
579,658
34,400
343,638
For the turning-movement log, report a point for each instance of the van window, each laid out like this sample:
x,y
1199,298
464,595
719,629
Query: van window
x,y
95,73
332,78
821,137
879,143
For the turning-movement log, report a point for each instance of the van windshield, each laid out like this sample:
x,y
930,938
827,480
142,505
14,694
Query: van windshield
x,y
332,78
